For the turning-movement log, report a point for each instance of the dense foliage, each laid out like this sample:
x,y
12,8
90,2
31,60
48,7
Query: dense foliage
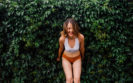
x,y
30,29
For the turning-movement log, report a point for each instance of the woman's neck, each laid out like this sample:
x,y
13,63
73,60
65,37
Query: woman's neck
x,y
71,38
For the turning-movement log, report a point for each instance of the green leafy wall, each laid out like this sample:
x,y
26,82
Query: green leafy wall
x,y
29,33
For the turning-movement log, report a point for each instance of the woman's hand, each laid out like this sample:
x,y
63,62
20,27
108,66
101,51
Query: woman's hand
x,y
58,58
83,57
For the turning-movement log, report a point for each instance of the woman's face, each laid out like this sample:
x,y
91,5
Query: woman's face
x,y
70,30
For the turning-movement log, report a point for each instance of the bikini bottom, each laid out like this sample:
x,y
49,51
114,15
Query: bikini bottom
x,y
71,59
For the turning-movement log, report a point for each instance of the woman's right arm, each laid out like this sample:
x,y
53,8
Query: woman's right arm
x,y
61,47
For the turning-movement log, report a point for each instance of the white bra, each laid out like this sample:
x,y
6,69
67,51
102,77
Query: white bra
x,y
68,48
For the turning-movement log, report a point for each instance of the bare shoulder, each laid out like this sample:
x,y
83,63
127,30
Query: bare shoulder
x,y
81,37
62,39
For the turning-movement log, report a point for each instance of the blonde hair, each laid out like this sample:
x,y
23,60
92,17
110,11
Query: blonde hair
x,y
74,25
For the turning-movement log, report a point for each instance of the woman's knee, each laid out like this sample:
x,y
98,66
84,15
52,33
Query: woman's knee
x,y
76,79
70,79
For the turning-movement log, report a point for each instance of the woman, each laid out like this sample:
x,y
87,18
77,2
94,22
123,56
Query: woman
x,y
73,42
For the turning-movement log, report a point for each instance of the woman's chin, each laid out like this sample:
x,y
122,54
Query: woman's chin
x,y
71,36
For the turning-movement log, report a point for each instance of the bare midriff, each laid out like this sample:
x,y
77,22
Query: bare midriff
x,y
72,54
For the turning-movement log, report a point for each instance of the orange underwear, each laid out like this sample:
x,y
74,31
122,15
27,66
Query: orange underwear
x,y
71,59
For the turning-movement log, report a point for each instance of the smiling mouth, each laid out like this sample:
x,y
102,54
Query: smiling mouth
x,y
71,33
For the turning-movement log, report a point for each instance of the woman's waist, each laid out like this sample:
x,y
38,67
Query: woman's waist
x,y
72,54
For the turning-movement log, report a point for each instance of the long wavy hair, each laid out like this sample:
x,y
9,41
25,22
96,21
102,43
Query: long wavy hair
x,y
74,25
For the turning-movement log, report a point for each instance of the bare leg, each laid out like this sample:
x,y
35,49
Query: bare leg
x,y
77,70
67,67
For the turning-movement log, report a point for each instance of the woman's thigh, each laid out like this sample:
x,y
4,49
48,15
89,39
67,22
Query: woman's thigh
x,y
67,67
77,68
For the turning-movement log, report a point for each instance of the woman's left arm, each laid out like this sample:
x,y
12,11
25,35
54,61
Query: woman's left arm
x,y
82,48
